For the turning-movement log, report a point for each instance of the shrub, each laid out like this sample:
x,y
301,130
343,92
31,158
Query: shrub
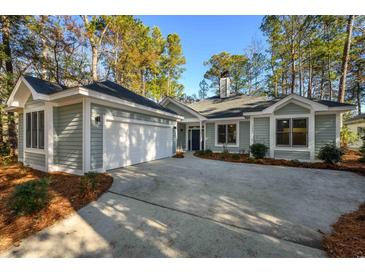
x,y
208,152
90,180
236,156
29,197
330,154
258,150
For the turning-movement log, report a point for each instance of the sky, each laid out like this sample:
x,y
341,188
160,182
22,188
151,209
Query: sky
x,y
203,36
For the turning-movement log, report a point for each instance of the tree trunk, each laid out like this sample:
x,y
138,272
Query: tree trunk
x,y
358,97
345,59
310,79
6,26
322,85
44,51
329,77
94,63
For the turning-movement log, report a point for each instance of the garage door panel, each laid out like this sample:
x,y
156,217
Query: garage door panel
x,y
128,143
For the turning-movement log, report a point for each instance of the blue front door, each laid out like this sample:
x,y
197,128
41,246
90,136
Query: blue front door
x,y
195,137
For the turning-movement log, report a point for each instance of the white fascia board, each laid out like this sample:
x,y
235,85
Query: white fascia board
x,y
90,93
227,119
35,95
189,110
314,105
97,95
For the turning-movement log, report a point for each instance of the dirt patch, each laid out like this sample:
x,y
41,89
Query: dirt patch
x,y
348,237
67,195
349,162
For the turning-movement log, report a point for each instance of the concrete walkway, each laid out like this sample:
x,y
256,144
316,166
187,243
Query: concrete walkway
x,y
202,208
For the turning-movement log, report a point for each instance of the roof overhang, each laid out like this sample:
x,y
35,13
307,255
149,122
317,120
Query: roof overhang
x,y
23,90
167,100
20,94
301,101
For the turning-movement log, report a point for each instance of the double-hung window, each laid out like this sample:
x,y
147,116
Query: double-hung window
x,y
227,134
292,132
34,129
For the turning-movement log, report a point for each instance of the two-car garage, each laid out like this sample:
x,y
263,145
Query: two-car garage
x,y
128,142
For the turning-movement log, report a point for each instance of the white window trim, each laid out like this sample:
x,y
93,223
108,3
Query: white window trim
x,y
290,146
31,149
227,123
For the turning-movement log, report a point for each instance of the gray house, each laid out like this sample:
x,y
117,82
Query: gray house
x,y
292,127
94,127
103,125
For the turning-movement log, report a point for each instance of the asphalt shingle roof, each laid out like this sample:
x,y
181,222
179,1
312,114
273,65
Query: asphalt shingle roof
x,y
236,105
113,89
42,86
105,87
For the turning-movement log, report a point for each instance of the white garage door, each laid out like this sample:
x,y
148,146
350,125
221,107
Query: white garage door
x,y
133,142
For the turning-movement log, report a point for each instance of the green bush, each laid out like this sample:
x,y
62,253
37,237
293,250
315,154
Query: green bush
x,y
29,197
236,156
258,151
208,152
330,154
90,180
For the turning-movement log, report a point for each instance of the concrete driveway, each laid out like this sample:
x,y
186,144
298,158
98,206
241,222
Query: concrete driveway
x,y
202,208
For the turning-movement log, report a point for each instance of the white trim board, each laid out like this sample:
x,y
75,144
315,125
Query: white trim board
x,y
216,144
181,105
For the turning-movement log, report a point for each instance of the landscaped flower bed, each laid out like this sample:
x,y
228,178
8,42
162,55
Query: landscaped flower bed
x,y
349,161
348,237
66,194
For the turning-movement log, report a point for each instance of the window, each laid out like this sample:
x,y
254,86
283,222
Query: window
x,y
283,132
34,130
227,134
292,132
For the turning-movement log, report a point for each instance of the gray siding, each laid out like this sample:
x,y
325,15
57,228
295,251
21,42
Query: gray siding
x,y
35,159
292,155
261,129
292,108
325,131
96,136
244,138
180,111
181,134
68,136
20,137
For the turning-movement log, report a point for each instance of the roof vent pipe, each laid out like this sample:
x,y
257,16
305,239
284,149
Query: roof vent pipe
x,y
224,85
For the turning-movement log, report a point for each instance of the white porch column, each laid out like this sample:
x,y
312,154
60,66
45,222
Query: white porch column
x,y
49,136
311,135
186,137
272,135
338,129
200,135
86,134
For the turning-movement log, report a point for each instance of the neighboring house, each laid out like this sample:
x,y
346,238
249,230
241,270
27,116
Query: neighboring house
x,y
95,127
292,127
357,125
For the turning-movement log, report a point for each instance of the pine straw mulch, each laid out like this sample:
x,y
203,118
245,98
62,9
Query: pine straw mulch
x,y
66,197
349,161
348,237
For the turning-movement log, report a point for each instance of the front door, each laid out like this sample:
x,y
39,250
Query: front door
x,y
195,138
